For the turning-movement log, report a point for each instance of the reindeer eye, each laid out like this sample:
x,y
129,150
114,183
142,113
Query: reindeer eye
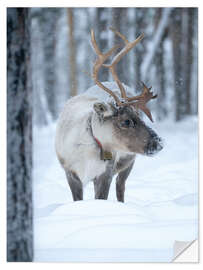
x,y
126,123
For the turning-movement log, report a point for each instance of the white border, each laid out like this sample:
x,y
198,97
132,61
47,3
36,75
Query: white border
x,y
65,3
100,3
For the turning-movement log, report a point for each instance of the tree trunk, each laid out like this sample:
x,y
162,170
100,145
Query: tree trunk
x,y
88,59
48,20
120,23
176,32
19,137
102,38
160,72
155,42
194,84
140,16
41,114
72,54
189,59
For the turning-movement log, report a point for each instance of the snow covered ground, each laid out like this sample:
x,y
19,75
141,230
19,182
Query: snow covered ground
x,y
161,204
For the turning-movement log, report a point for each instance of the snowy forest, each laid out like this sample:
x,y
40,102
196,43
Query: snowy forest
x,y
166,58
49,60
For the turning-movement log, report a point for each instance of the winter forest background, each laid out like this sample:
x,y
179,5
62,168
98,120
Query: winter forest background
x,y
166,58
50,59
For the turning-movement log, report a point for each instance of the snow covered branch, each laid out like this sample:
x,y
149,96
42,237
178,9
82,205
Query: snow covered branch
x,y
152,47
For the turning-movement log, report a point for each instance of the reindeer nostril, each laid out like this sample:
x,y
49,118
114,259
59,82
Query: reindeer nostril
x,y
153,146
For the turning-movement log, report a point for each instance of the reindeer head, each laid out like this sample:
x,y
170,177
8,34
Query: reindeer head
x,y
118,123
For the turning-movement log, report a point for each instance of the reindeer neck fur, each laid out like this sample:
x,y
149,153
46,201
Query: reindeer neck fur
x,y
104,154
102,132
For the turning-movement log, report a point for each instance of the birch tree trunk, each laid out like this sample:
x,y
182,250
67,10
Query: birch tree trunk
x,y
155,42
72,54
19,137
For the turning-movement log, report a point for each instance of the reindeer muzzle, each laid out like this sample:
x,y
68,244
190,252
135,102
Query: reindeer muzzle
x,y
154,146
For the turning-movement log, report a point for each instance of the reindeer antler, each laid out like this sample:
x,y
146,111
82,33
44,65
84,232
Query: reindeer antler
x,y
137,101
99,62
142,100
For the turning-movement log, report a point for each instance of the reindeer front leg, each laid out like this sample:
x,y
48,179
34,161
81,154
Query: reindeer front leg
x,y
102,186
103,182
120,182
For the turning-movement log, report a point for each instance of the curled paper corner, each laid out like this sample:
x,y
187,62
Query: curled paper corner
x,y
185,251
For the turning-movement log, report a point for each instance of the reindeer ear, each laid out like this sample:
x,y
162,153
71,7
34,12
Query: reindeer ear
x,y
103,109
100,108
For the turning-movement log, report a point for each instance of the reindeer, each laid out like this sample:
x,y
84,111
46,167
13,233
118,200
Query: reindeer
x,y
99,133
